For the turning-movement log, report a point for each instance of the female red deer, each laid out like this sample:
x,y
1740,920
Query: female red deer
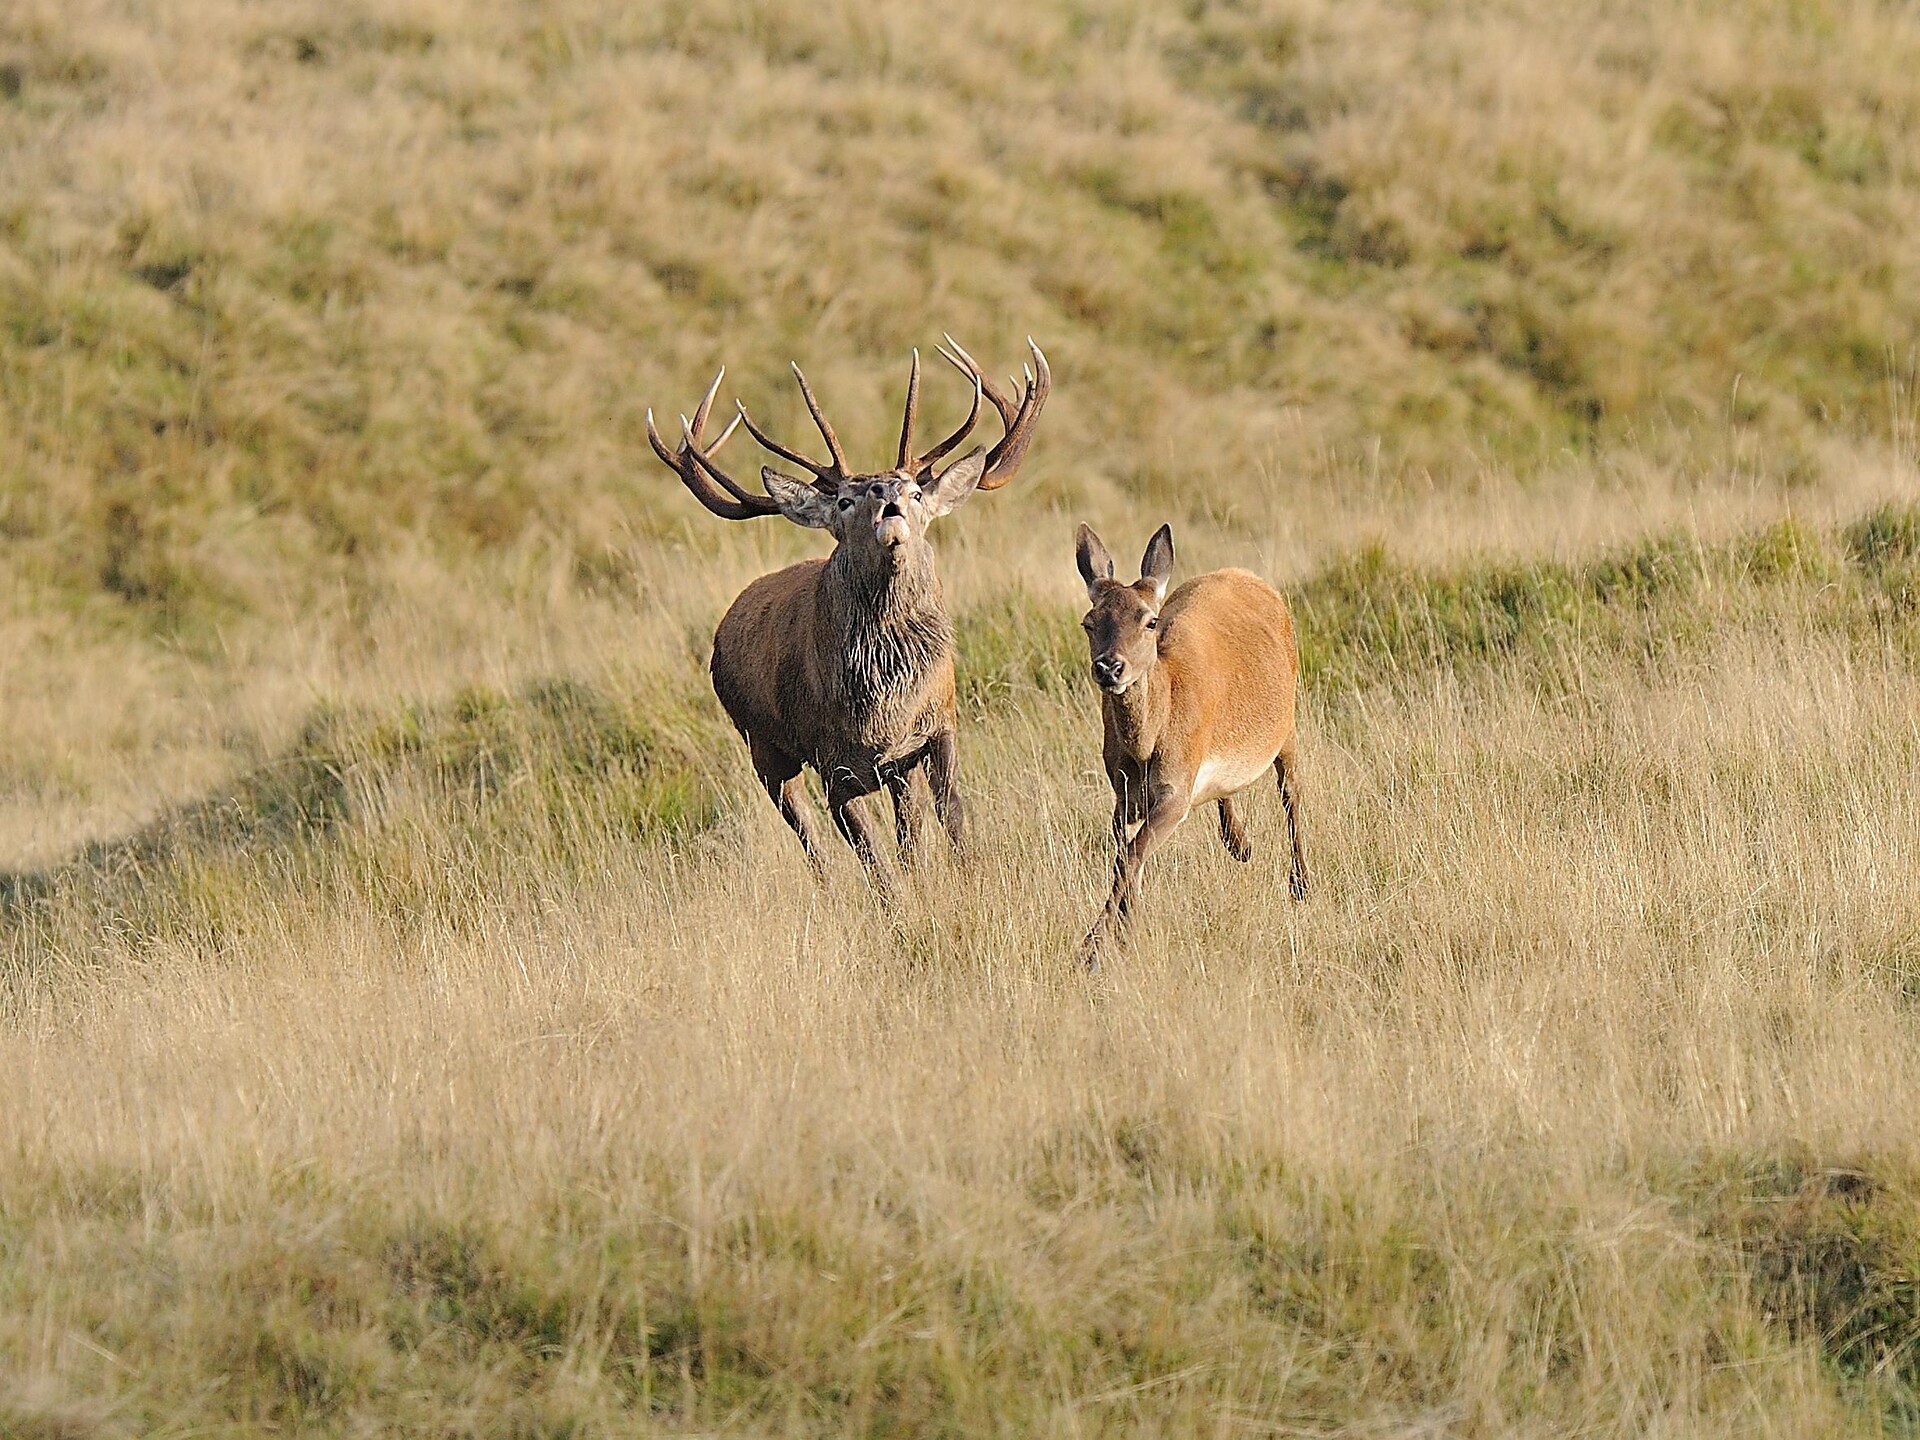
x,y
846,664
1197,702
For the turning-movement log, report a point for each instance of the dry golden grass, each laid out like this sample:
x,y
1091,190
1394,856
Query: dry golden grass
x,y
413,1021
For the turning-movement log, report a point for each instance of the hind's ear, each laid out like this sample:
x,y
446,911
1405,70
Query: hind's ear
x,y
1157,564
1092,558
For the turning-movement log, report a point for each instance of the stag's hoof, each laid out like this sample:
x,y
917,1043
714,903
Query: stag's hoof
x,y
1095,945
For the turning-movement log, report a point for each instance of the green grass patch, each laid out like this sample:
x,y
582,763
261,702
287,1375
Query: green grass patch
x,y
429,811
1833,1254
1163,1285
1369,619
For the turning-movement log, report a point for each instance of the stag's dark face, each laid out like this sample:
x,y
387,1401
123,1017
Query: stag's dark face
x,y
885,514
890,510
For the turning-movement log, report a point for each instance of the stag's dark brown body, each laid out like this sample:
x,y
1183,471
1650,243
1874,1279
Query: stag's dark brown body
x,y
852,675
845,665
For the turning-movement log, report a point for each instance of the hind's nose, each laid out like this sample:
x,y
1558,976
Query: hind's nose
x,y
1107,668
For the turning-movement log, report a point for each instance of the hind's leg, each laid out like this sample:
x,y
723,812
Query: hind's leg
x,y
1232,833
1164,812
780,775
1284,766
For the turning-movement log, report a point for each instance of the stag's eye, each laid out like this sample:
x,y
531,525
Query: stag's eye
x,y
1087,624
846,504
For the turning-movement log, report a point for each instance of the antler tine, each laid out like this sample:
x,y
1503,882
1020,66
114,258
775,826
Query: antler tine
x,y
820,419
659,445
1018,416
824,476
704,459
952,442
709,484
706,405
905,461
956,356
1003,461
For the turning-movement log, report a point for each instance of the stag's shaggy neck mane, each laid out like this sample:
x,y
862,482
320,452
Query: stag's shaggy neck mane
x,y
888,618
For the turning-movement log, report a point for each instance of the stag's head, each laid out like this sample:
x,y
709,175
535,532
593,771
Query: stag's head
x,y
884,513
1123,627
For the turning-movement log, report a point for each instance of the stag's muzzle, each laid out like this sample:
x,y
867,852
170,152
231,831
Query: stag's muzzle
x,y
891,530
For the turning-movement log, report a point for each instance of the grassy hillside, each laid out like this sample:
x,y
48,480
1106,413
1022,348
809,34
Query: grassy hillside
x,y
282,283
412,1018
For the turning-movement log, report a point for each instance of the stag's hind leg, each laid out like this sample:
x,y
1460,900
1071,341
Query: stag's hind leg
x,y
779,773
1283,768
1233,834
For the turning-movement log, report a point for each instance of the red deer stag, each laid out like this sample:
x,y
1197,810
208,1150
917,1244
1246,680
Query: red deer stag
x,y
1197,702
846,664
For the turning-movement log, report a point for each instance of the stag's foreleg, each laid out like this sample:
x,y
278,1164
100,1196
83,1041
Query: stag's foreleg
x,y
943,775
908,810
780,775
843,789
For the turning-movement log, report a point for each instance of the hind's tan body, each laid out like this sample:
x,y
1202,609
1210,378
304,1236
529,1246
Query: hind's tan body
x,y
1198,704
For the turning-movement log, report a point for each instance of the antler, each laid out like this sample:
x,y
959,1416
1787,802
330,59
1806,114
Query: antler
x,y
826,478
920,464
696,469
1003,461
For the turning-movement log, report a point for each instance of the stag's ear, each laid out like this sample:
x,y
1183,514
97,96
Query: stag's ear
x,y
1092,558
1156,566
955,483
798,500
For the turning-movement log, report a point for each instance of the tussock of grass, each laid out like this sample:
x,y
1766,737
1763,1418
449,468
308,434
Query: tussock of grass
x,y
1369,619
1833,1252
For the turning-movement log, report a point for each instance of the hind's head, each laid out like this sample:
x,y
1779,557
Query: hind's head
x,y
1123,627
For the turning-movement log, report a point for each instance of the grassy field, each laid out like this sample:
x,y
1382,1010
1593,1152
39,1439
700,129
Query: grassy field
x,y
414,1021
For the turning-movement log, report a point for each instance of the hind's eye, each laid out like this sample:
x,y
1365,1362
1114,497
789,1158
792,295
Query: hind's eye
x,y
1153,624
